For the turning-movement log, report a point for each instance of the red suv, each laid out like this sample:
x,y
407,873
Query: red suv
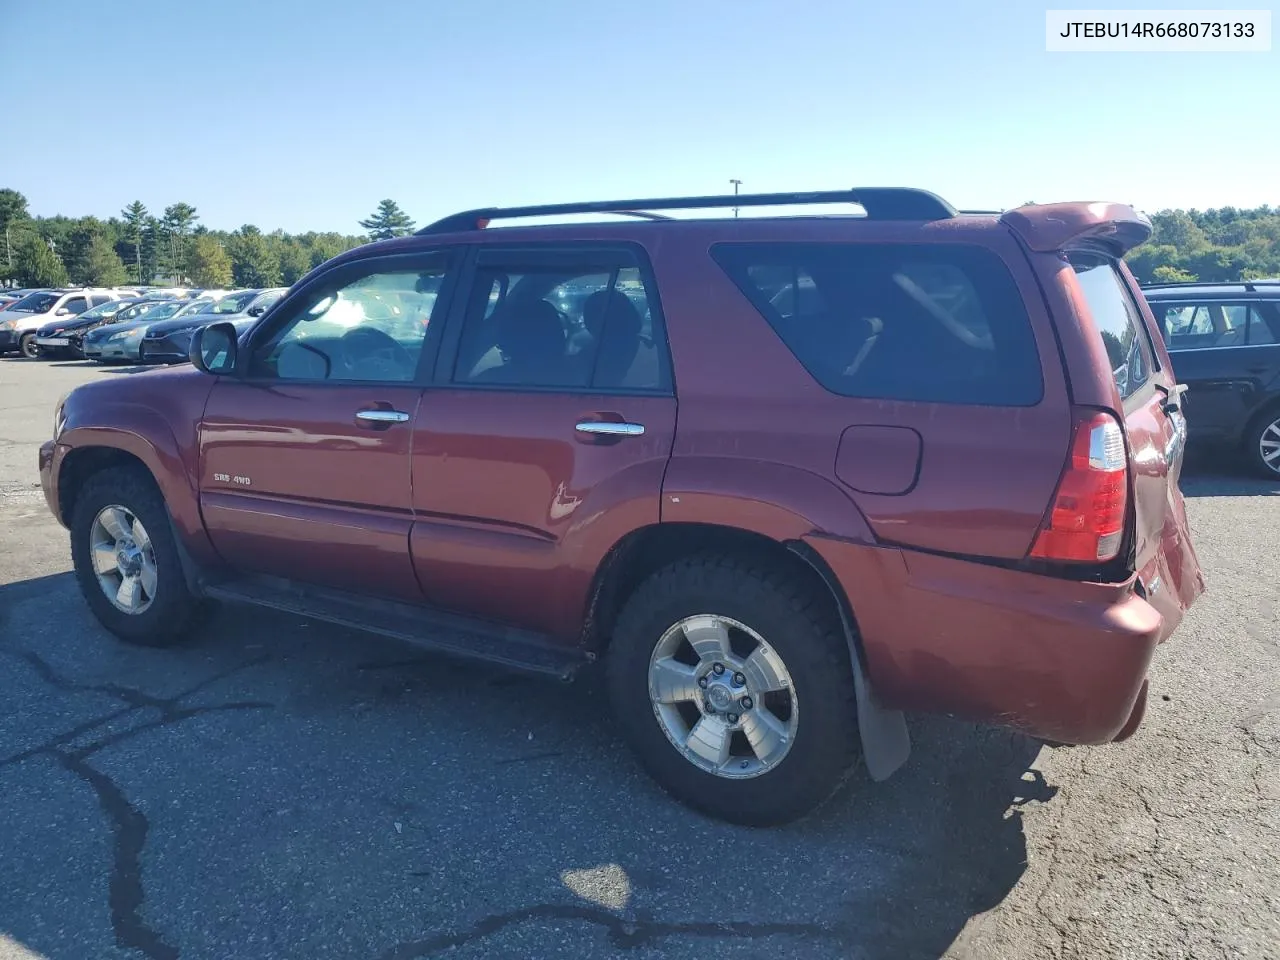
x,y
787,476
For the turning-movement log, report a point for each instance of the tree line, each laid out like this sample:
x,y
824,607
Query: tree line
x,y
1219,245
140,247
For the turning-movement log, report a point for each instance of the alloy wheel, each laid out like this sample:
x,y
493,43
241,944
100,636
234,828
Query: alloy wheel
x,y
124,560
723,697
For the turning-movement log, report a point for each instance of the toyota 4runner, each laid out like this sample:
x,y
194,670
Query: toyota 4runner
x,y
788,477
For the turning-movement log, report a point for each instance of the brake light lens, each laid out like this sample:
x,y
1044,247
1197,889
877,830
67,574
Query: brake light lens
x,y
1085,524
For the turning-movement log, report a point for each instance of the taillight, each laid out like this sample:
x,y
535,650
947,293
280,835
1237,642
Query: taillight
x,y
1086,522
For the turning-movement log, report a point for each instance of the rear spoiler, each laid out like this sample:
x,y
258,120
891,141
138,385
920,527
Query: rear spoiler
x,y
1045,228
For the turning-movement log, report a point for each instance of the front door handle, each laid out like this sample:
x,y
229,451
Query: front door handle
x,y
609,428
382,416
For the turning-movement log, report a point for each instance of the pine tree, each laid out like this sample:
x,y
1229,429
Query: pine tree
x,y
13,215
105,268
176,224
135,224
388,221
36,264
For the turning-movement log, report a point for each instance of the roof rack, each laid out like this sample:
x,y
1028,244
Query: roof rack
x,y
880,203
1249,285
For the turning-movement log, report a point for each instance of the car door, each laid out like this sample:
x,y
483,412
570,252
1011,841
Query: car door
x,y
305,453
1208,341
545,437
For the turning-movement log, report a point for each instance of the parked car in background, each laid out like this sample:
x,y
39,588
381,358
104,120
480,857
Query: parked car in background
x,y
10,297
21,321
119,342
946,480
60,338
169,341
132,310
1225,343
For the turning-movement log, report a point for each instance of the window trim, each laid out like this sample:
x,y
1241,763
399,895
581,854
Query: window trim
x,y
334,278
553,254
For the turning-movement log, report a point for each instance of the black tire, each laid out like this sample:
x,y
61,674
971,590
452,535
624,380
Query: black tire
x,y
174,612
799,624
1266,423
27,346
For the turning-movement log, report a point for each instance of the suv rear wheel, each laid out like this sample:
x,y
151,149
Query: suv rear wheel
x,y
732,683
126,560
1262,444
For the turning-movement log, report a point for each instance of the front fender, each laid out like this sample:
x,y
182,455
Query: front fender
x,y
143,432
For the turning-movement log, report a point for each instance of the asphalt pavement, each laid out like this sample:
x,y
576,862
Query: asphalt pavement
x,y
278,789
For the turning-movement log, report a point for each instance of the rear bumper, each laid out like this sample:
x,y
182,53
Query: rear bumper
x,y
1055,659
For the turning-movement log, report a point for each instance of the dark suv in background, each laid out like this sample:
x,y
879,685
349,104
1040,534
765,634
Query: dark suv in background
x,y
1225,342
789,477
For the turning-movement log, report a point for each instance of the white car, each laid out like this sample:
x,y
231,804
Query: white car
x,y
19,323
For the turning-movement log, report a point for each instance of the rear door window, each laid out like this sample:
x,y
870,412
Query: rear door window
x,y
1117,318
1201,326
939,323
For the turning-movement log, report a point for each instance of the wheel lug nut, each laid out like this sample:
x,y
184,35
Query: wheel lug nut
x,y
739,680
702,682
718,668
733,718
747,703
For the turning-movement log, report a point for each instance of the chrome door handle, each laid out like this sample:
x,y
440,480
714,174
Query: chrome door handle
x,y
382,416
610,429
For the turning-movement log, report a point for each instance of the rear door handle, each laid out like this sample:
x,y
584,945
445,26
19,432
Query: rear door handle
x,y
607,428
382,416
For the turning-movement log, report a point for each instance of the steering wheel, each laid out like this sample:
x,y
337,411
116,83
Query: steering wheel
x,y
370,354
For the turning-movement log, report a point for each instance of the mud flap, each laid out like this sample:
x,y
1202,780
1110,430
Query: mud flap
x,y
886,744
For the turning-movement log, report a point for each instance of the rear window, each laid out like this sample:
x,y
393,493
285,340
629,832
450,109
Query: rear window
x,y
1117,319
937,323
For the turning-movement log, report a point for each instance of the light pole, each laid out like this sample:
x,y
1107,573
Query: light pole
x,y
736,185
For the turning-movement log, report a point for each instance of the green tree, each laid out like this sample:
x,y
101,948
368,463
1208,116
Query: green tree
x,y
176,226
388,221
135,224
1167,274
106,269
75,249
253,262
36,264
208,264
13,216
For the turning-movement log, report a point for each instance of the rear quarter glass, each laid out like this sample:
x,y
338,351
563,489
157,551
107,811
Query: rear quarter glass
x,y
1118,319
923,322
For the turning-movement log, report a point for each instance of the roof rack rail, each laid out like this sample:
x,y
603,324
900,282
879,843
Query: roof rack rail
x,y
880,203
1249,285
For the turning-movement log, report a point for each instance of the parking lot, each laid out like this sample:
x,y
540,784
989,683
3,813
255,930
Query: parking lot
x,y
278,788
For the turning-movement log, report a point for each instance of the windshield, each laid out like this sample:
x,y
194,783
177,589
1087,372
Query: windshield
x,y
234,303
37,302
110,308
193,307
161,311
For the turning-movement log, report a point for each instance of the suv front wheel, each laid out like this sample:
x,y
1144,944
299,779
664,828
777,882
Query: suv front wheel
x,y
126,560
732,683
27,346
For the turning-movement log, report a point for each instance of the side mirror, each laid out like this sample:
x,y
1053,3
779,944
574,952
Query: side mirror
x,y
257,311
62,312
214,348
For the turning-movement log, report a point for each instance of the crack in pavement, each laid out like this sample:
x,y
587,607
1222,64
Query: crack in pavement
x,y
624,934
129,825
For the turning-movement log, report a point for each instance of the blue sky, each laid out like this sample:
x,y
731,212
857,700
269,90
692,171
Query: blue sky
x,y
303,115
